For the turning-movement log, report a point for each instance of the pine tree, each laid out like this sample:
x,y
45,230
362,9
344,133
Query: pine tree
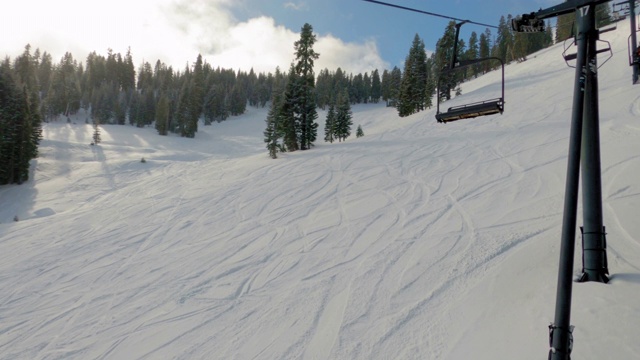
x,y
271,133
305,106
504,41
44,71
376,91
485,50
63,96
330,123
432,80
565,26
443,59
96,132
324,87
182,110
25,67
288,125
20,118
343,117
359,132
215,108
413,89
237,100
391,86
366,88
405,105
473,53
162,115
198,92
603,15
385,86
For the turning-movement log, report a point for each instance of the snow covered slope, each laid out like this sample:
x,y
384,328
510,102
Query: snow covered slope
x,y
417,241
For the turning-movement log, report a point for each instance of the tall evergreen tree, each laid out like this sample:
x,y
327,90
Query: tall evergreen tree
x,y
288,126
443,59
385,86
198,91
305,106
45,69
343,117
376,91
405,105
565,25
485,50
603,15
272,133
504,41
413,89
330,123
63,96
366,88
391,86
324,88
237,100
162,115
215,106
96,132
473,53
20,128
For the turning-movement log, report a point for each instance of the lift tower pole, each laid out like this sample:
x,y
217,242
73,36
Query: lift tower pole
x,y
594,253
634,42
584,142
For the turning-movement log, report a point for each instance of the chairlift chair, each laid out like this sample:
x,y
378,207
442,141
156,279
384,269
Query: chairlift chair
x,y
468,111
634,58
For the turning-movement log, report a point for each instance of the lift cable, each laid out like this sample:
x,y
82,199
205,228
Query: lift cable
x,y
428,13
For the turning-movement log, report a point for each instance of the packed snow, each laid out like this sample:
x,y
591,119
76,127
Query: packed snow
x,y
417,241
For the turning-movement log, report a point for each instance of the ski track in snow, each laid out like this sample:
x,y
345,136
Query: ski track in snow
x,y
418,241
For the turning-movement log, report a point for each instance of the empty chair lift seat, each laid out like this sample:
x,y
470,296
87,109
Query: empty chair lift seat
x,y
487,107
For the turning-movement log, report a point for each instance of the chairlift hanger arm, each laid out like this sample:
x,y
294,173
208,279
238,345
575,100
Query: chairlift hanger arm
x,y
533,22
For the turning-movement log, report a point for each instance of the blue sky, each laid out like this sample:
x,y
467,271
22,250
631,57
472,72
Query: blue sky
x,y
392,29
352,34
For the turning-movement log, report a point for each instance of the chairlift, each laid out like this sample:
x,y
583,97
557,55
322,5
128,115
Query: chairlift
x,y
467,111
634,58
573,56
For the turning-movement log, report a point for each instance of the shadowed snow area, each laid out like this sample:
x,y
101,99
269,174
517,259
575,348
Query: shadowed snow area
x,y
417,241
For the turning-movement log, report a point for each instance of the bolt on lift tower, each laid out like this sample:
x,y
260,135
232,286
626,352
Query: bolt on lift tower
x,y
584,145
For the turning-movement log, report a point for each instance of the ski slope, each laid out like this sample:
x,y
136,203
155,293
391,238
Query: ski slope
x,y
417,241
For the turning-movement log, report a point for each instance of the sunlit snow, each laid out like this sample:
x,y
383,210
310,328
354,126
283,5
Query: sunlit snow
x,y
417,241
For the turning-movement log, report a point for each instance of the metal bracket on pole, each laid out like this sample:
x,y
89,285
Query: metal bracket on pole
x,y
568,333
598,250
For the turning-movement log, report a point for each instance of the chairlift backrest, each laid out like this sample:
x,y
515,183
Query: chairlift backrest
x,y
482,108
467,111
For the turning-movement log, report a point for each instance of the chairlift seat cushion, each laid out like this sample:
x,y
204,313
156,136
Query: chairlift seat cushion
x,y
488,107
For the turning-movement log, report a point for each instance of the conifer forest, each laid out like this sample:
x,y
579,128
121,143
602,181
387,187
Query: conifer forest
x,y
113,90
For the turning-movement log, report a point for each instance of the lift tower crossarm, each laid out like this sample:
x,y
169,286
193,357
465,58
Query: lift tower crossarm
x,y
566,8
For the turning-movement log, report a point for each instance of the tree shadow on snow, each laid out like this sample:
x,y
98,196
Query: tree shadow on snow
x,y
17,201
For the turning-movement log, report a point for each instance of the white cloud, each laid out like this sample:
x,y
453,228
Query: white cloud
x,y
351,57
296,6
174,31
261,43
80,27
257,43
